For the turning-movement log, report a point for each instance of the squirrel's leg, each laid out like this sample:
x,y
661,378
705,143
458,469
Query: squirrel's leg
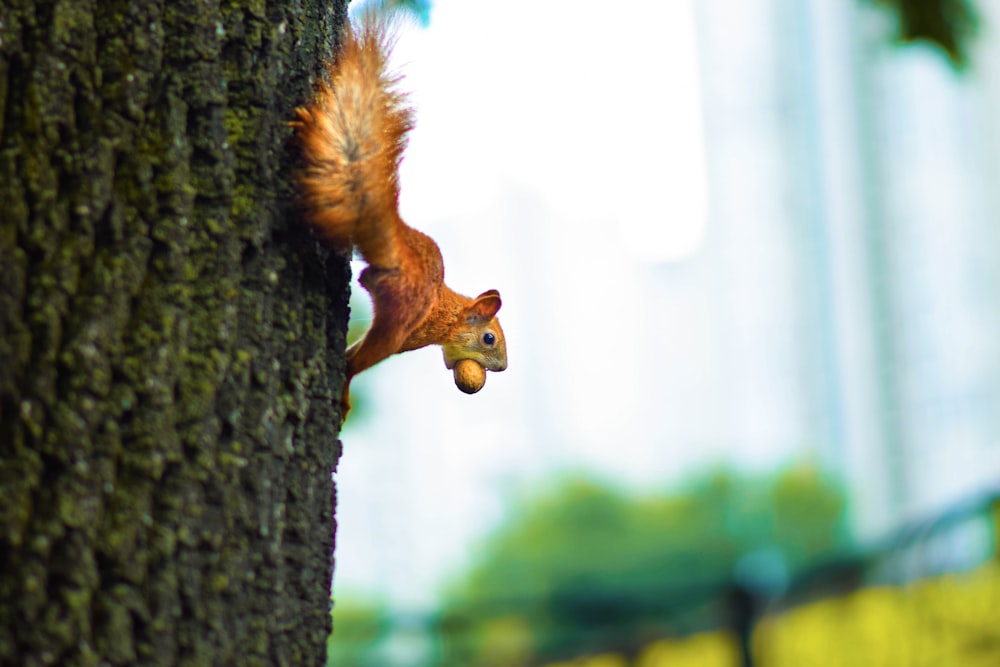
x,y
383,340
396,313
398,310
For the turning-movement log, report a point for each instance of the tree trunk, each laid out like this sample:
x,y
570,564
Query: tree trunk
x,y
171,337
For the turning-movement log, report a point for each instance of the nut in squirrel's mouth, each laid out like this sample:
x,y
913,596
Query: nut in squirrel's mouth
x,y
469,375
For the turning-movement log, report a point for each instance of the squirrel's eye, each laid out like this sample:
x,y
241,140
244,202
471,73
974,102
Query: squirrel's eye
x,y
489,339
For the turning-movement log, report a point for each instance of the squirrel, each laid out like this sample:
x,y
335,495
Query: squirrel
x,y
352,136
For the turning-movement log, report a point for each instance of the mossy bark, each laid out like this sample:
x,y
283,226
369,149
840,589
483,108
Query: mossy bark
x,y
171,338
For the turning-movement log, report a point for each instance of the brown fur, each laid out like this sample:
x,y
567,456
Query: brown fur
x,y
352,137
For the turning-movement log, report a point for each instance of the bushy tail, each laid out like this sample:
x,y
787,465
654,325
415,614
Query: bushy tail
x,y
352,138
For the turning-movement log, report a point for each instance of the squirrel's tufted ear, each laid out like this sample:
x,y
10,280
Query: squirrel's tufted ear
x,y
485,307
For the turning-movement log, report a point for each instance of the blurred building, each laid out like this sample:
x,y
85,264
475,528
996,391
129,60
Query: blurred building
x,y
854,184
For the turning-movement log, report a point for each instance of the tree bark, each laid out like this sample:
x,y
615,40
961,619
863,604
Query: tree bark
x,y
171,337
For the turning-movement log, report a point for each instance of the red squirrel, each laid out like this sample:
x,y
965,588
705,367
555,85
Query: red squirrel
x,y
352,137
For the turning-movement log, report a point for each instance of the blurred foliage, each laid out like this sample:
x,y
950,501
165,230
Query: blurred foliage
x,y
584,575
706,649
357,628
948,24
948,620
584,567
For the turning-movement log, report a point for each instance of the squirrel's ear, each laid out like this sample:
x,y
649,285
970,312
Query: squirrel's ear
x,y
485,307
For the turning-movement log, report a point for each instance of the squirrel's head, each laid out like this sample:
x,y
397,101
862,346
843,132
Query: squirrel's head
x,y
478,335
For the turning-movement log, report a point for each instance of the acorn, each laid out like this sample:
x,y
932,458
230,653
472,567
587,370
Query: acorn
x,y
469,376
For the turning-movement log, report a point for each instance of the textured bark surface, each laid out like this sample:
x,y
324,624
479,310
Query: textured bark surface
x,y
171,339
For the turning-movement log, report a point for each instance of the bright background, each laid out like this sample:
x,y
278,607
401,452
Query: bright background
x,y
752,234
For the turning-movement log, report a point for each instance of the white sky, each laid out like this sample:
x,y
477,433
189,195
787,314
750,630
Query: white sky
x,y
596,112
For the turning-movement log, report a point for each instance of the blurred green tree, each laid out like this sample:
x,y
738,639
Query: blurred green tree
x,y
357,627
585,567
